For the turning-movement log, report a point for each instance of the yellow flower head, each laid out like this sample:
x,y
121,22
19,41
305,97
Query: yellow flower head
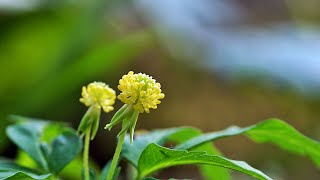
x,y
140,90
98,94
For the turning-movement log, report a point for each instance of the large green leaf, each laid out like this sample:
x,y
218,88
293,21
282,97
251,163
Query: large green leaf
x,y
62,150
133,151
10,170
155,157
6,164
274,131
16,175
210,172
205,170
26,137
51,145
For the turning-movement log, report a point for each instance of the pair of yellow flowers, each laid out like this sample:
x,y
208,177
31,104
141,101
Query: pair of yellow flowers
x,y
140,91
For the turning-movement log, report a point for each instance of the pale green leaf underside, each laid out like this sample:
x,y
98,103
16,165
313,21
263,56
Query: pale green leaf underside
x,y
10,170
14,175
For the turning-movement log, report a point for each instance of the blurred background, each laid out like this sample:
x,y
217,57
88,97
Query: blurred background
x,y
220,63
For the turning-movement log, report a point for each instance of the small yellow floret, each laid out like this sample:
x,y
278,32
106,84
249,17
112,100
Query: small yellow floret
x,y
98,94
140,90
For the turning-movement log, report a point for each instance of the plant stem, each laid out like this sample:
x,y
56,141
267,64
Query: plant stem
x,y
116,156
86,155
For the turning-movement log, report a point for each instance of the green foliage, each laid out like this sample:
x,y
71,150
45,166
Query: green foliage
x,y
193,147
104,58
133,151
155,157
136,151
286,137
51,145
54,51
205,170
10,170
273,130
14,175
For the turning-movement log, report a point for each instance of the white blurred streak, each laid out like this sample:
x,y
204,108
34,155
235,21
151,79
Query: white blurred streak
x,y
179,19
17,4
282,51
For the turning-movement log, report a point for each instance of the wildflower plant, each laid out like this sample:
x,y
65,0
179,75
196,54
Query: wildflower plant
x,y
52,146
96,96
140,93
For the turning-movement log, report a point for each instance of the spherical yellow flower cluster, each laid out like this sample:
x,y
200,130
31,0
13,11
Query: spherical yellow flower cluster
x,y
140,90
99,95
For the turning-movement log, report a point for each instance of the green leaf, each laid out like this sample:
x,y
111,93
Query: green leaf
x,y
133,151
10,170
119,116
205,170
6,164
26,136
51,145
274,131
155,157
16,175
128,121
133,126
50,132
62,150
212,172
194,142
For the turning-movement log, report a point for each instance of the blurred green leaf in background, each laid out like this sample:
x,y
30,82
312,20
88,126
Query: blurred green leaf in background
x,y
50,49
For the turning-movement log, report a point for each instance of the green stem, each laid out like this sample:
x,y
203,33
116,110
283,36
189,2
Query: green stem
x,y
86,156
116,156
